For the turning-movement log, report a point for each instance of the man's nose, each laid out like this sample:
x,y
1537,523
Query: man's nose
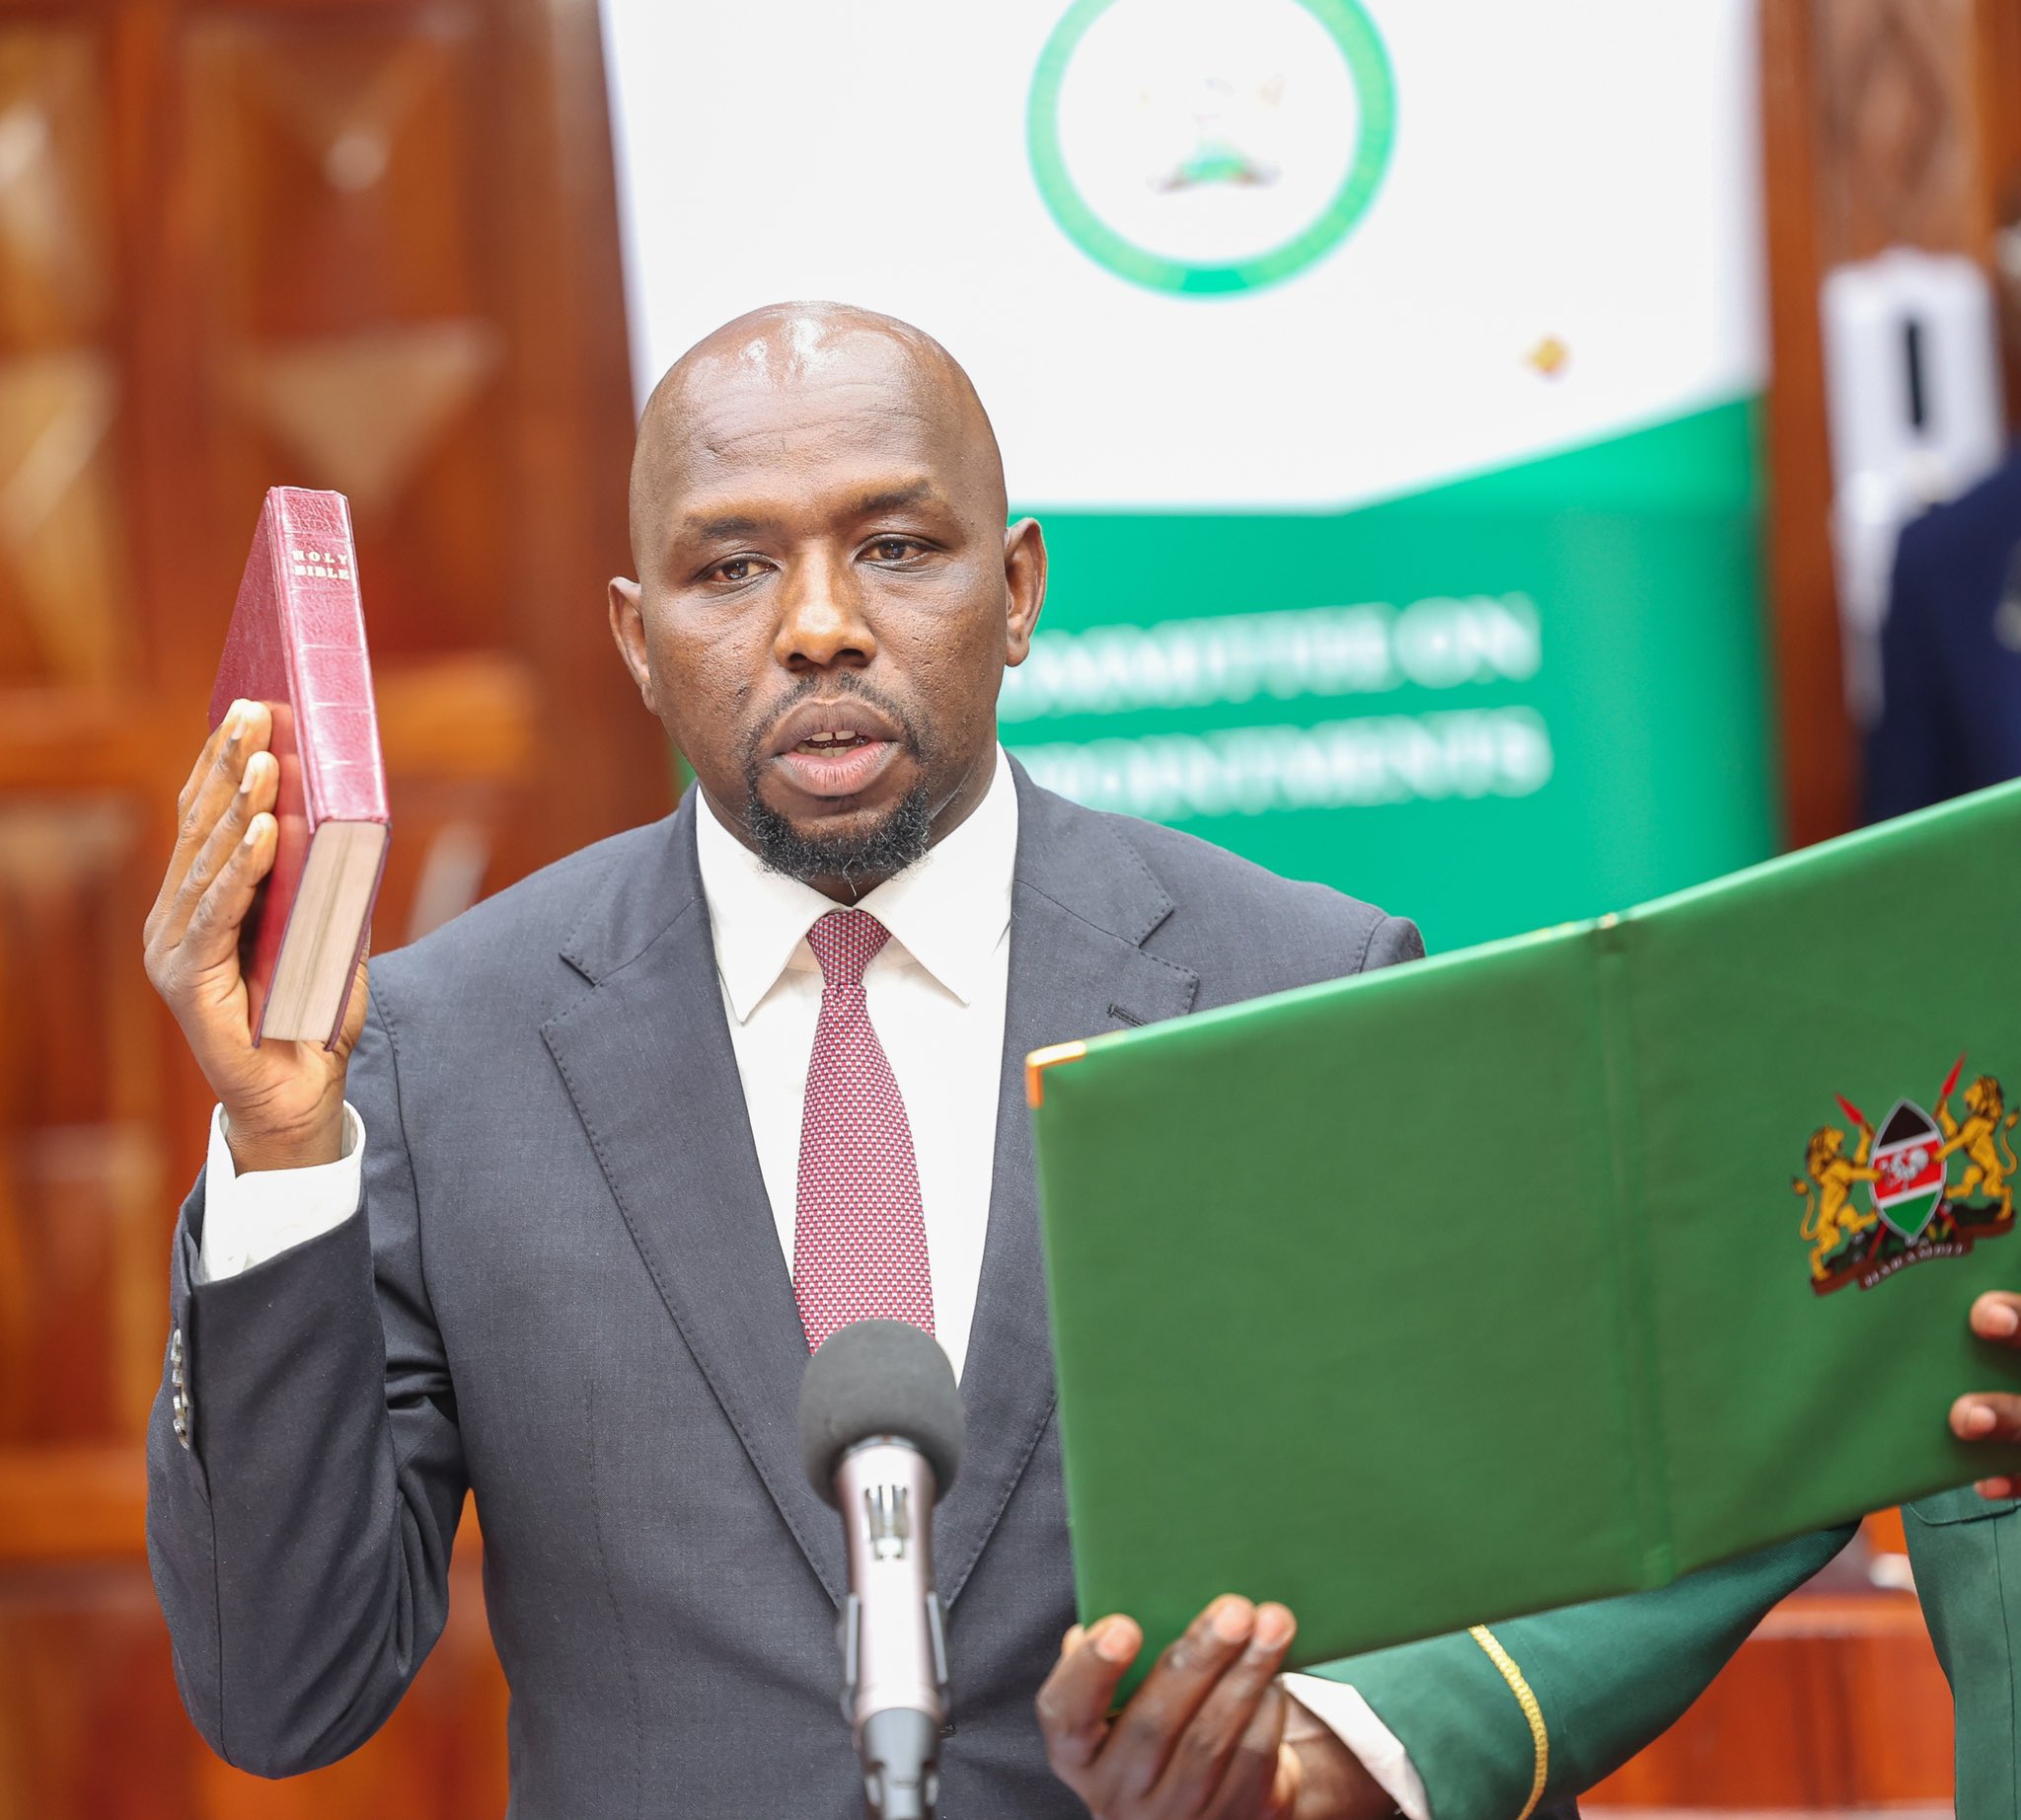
x,y
822,623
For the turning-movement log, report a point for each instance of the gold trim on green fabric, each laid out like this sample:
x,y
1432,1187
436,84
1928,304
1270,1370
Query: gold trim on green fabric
x,y
1539,1739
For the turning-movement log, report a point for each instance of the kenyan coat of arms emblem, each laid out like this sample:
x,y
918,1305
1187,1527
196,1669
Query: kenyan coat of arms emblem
x,y
1902,1171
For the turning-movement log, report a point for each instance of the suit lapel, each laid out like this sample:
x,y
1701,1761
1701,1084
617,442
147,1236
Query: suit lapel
x,y
1082,904
646,1058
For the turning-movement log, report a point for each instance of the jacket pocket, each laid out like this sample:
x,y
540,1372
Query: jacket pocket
x,y
1963,1505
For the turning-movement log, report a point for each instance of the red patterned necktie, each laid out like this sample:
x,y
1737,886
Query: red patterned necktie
x,y
860,1238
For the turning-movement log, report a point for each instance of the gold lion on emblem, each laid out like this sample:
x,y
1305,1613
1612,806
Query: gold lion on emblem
x,y
1833,1217
1982,1137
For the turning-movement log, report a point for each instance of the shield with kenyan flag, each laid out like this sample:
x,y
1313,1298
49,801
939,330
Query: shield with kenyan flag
x,y
1912,1210
1908,1169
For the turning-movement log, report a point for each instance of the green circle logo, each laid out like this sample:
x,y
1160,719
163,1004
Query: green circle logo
x,y
1210,146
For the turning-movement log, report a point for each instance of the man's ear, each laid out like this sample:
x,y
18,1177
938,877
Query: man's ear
x,y
1025,581
628,628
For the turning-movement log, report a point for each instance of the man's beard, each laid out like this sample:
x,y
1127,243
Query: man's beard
x,y
879,852
896,841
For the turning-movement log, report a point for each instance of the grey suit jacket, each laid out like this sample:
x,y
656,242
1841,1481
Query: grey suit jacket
x,y
564,1291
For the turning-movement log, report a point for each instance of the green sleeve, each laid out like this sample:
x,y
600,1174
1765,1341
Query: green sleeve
x,y
1967,1552
1600,1679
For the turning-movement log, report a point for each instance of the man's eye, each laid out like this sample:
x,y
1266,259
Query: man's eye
x,y
737,568
893,548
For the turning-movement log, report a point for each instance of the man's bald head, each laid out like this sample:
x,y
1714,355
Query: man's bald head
x,y
827,589
795,349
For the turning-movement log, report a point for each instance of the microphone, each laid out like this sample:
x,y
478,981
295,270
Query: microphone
x,y
880,1436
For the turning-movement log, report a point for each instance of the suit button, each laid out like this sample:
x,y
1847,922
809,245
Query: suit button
x,y
175,1346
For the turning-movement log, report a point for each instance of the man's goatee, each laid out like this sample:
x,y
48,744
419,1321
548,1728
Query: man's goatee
x,y
879,852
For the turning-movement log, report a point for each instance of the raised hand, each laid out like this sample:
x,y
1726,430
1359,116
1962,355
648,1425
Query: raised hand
x,y
283,1101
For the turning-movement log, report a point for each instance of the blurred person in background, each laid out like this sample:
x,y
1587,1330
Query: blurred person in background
x,y
1951,644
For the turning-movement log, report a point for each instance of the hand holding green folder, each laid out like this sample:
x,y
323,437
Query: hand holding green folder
x,y
1551,1269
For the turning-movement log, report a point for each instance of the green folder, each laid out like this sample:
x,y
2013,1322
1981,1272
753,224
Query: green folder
x,y
1551,1269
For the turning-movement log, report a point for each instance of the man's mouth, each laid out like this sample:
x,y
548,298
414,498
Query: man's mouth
x,y
824,745
835,749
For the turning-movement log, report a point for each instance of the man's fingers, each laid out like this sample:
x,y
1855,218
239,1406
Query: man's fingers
x,y
1141,1740
221,734
1112,1765
1289,1784
258,784
212,936
245,729
205,795
1996,1315
1992,1415
1205,1758
254,793
1074,1704
1987,1415
1256,1771
191,824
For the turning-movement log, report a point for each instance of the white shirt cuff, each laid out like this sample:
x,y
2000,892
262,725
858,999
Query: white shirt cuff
x,y
1344,1712
249,1218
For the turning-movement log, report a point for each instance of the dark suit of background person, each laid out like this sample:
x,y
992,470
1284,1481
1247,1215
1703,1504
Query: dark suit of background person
x,y
564,1290
1951,654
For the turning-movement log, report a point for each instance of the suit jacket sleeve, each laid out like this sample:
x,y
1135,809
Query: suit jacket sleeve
x,y
300,1542
1906,762
1395,939
1967,1552
1501,1719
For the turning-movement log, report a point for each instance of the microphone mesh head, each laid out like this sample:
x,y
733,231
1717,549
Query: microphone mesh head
x,y
879,1377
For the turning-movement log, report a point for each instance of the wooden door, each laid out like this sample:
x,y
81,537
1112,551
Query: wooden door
x,y
1885,123
368,246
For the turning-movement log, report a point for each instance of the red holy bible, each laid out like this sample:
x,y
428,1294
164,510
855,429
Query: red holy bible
x,y
297,643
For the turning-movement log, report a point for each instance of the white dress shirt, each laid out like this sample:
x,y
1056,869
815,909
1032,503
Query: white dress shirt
x,y
936,995
936,992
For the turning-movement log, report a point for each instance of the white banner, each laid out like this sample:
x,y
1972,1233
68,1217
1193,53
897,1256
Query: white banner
x,y
1219,253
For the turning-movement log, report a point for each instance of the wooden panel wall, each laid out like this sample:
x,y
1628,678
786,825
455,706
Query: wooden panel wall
x,y
369,246
1837,1702
1886,122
